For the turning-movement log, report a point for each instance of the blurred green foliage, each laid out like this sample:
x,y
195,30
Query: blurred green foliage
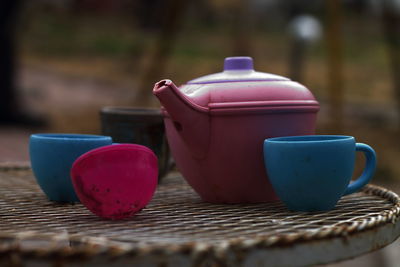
x,y
203,41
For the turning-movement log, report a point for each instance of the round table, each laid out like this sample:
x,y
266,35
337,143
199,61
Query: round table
x,y
178,229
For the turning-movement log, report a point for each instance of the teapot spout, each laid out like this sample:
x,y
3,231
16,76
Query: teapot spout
x,y
190,120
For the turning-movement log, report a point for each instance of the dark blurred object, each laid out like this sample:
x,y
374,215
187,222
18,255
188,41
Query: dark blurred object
x,y
10,110
241,28
143,126
357,6
8,98
171,23
304,30
98,6
149,13
335,64
295,8
391,29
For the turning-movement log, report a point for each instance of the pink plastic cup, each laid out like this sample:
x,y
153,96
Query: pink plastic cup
x,y
115,181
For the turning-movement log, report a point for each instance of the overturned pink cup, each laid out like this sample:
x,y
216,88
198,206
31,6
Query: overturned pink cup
x,y
115,181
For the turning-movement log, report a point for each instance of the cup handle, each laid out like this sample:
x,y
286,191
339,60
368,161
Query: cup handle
x,y
368,172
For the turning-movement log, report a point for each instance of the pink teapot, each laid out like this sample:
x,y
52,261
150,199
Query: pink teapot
x,y
216,126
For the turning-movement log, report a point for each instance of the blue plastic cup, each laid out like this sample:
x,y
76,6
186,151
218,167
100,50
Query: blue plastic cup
x,y
311,173
52,156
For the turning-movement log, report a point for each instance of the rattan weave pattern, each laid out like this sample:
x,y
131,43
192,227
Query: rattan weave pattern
x,y
175,220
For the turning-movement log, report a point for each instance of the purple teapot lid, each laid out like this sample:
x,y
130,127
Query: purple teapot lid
x,y
239,88
237,69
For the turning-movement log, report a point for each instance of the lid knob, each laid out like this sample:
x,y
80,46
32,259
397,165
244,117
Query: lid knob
x,y
238,63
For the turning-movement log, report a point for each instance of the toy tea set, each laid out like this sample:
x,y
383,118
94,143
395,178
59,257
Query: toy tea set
x,y
238,136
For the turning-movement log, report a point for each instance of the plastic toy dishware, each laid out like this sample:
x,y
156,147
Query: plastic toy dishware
x,y
52,156
311,173
115,182
216,126
143,126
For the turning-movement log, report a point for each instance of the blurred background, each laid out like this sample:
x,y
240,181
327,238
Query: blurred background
x,y
62,60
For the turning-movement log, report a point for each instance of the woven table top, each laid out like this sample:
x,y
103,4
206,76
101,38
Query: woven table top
x,y
177,222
